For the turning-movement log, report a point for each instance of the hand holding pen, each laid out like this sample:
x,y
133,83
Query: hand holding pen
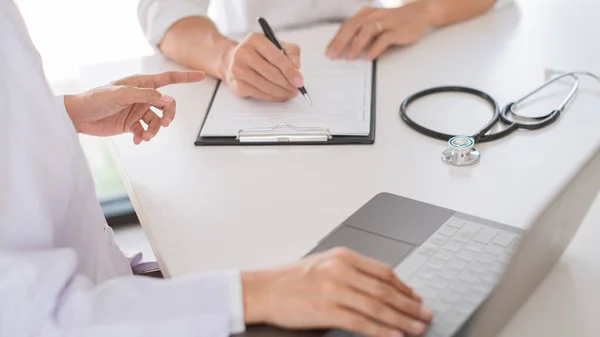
x,y
257,68
271,36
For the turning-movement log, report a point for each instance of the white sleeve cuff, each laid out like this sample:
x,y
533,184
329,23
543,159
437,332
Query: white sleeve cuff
x,y
236,303
157,16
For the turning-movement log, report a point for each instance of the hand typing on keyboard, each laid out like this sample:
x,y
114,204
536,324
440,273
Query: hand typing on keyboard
x,y
335,289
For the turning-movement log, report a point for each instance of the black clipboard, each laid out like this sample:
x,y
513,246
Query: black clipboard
x,y
301,136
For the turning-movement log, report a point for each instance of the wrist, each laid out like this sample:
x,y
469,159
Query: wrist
x,y
431,12
71,103
255,297
224,56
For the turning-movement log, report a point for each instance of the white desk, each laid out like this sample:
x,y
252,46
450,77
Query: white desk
x,y
245,207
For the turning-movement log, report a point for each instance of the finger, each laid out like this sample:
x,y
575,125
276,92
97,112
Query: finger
x,y
127,95
382,43
379,312
344,36
349,320
175,77
279,60
378,270
264,85
293,52
153,122
367,33
137,129
417,297
388,294
168,113
268,71
162,79
248,90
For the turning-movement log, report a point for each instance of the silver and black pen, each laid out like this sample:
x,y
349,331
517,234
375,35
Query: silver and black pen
x,y
271,36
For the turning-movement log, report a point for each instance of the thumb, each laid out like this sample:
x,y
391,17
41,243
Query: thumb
x,y
293,52
131,95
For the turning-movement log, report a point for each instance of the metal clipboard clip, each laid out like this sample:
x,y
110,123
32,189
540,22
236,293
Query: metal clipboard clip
x,y
283,133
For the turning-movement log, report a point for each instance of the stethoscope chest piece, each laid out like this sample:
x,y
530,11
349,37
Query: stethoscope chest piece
x,y
461,152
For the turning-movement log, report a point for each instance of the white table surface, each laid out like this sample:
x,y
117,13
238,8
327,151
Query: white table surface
x,y
209,208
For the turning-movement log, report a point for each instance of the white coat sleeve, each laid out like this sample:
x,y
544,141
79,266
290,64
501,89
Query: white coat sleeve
x,y
42,296
157,16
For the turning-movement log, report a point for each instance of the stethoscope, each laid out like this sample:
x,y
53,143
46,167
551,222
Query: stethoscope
x,y
461,149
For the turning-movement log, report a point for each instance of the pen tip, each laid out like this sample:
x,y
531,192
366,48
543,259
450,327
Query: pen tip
x,y
307,99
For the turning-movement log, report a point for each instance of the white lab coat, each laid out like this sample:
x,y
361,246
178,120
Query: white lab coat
x,y
235,18
61,274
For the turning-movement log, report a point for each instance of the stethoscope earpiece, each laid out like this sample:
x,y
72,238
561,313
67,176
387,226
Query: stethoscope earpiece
x,y
461,151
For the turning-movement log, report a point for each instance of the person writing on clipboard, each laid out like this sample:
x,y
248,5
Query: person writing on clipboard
x,y
61,273
253,67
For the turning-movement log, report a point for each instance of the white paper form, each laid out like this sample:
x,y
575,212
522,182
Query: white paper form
x,y
340,91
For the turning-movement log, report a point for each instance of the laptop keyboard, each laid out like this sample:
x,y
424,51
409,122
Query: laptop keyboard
x,y
455,269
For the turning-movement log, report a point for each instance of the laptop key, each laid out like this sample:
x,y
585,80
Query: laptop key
x,y
485,235
453,246
465,307
497,267
472,296
417,282
460,286
494,249
512,248
467,232
447,230
504,258
440,306
450,295
456,223
428,293
410,265
438,239
428,249
486,258
427,272
444,254
439,283
468,276
466,255
436,263
477,267
448,273
474,246
458,264
504,239
491,277
453,317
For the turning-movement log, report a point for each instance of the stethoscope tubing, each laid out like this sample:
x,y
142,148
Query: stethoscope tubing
x,y
506,116
481,136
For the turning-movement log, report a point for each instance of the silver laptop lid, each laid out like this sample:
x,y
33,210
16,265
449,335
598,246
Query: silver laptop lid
x,y
540,248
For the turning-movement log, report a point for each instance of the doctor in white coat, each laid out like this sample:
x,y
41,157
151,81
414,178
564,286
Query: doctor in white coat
x,y
208,35
61,273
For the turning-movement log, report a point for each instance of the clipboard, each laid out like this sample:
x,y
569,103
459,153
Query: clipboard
x,y
284,134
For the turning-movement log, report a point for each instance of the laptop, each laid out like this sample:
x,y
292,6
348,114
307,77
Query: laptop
x,y
473,273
